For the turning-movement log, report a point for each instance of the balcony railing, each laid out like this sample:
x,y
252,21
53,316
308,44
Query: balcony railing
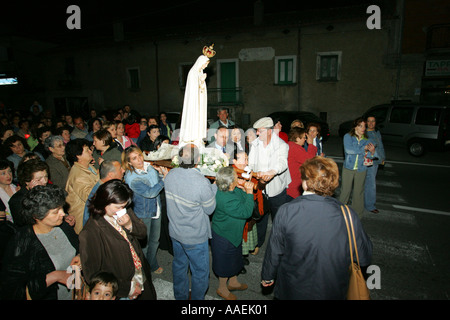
x,y
438,37
225,96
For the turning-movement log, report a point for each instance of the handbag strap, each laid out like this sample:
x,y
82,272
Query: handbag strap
x,y
348,232
353,234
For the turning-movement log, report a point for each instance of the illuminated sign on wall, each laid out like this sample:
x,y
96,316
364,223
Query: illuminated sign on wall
x,y
4,80
437,68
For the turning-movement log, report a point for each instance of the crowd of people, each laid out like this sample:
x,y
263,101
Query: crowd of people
x,y
77,191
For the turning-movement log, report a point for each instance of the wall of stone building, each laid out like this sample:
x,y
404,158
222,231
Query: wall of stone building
x,y
101,75
410,73
256,72
365,80
171,54
25,63
261,95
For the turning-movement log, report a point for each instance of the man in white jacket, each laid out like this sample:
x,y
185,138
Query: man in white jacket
x,y
268,157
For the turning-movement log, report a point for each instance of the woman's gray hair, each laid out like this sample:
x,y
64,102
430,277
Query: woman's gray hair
x,y
50,141
224,178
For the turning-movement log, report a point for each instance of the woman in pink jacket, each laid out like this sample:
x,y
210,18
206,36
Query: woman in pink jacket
x,y
122,139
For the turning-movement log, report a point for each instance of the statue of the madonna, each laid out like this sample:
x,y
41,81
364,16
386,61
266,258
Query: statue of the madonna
x,y
195,106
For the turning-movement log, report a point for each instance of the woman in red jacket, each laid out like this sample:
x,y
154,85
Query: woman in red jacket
x,y
296,157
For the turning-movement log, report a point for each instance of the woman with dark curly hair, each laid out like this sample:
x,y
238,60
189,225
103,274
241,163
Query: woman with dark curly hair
x,y
38,256
82,178
109,242
308,252
30,174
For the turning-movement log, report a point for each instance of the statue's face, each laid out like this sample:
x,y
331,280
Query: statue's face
x,y
205,65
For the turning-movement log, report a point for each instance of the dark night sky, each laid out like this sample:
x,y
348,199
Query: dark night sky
x,y
47,19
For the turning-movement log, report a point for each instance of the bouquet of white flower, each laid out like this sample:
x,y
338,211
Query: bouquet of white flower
x,y
211,161
166,151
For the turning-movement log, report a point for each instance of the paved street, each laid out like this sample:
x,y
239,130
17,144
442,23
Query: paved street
x,y
410,234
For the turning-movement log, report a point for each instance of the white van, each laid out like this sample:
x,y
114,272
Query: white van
x,y
417,126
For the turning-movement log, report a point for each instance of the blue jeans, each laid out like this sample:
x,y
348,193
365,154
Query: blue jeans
x,y
196,258
370,188
151,248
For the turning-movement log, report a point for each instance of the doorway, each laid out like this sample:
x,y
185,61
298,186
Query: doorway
x,y
228,80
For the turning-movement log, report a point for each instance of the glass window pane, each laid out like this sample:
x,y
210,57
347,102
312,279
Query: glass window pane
x,y
282,70
428,116
290,70
401,115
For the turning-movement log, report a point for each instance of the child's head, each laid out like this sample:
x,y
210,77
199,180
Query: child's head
x,y
240,160
103,286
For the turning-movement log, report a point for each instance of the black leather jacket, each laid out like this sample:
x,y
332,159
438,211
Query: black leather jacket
x,y
26,264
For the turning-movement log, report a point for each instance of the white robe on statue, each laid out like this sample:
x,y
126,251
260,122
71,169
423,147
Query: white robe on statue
x,y
194,117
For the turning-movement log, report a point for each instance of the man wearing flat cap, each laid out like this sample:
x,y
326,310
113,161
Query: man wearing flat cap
x,y
268,157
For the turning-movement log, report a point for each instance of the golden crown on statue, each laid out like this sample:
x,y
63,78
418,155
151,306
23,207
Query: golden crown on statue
x,y
209,51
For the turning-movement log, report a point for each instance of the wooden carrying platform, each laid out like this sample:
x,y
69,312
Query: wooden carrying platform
x,y
168,164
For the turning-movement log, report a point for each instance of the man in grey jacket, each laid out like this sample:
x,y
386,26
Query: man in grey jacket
x,y
190,199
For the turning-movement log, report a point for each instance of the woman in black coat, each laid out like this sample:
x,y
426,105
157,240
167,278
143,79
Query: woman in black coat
x,y
38,256
148,143
308,255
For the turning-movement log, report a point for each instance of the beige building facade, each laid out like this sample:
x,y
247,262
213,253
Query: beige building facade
x,y
330,63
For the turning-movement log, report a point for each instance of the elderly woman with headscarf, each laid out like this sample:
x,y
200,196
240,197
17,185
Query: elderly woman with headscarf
x,y
234,205
307,256
38,256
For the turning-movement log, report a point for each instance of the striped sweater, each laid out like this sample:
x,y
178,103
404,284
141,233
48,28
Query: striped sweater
x,y
190,199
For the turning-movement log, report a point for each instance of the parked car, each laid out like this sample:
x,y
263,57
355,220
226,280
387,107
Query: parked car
x,y
286,117
417,126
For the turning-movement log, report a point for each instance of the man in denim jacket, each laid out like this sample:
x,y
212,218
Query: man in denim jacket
x,y
370,188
